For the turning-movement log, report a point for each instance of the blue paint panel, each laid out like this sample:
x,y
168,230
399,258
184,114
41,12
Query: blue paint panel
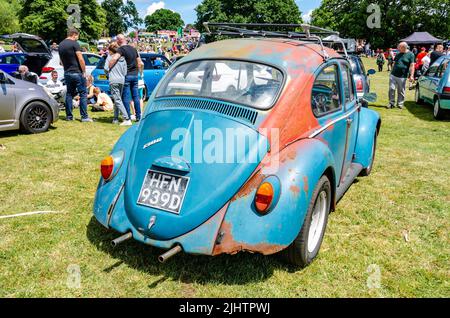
x,y
367,129
299,175
212,183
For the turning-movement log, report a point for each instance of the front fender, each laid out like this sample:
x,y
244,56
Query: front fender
x,y
108,192
301,165
370,124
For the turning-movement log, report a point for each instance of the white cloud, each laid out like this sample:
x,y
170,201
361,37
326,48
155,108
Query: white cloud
x,y
155,6
307,17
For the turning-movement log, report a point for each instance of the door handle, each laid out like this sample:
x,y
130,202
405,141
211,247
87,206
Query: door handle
x,y
349,121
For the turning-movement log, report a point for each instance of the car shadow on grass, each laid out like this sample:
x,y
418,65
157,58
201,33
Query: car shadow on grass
x,y
239,269
422,112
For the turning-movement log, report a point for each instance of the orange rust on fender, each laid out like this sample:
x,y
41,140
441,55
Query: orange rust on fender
x,y
249,186
229,246
295,189
305,184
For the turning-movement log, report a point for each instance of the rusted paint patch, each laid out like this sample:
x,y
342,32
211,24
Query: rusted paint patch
x,y
230,246
295,189
305,184
250,186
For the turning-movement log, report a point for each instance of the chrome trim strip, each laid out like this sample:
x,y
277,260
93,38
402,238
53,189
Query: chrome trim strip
x,y
319,131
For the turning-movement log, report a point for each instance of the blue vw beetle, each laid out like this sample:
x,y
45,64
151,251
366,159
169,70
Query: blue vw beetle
x,y
245,145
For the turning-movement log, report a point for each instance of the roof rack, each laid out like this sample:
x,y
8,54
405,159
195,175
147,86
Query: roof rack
x,y
307,33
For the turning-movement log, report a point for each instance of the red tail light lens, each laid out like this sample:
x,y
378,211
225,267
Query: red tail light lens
x,y
107,167
264,197
447,89
47,69
359,85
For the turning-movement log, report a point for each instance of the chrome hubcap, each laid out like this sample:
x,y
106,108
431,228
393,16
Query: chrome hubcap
x,y
317,221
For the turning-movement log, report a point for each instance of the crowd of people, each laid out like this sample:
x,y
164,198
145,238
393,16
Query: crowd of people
x,y
408,65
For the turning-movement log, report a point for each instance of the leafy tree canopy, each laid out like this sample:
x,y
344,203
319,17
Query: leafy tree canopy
x,y
398,19
9,17
163,19
249,11
120,16
48,18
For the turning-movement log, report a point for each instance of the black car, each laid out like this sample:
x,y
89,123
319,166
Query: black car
x,y
37,53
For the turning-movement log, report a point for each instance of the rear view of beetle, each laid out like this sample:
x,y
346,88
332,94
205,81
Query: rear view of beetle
x,y
246,145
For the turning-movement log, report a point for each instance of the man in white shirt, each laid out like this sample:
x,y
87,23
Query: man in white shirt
x,y
55,87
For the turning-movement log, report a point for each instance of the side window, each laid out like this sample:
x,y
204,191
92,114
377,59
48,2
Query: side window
x,y
433,70
442,69
91,60
325,93
347,80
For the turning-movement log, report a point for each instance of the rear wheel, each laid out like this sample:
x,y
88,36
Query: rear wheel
x,y
306,246
36,118
438,112
419,100
146,97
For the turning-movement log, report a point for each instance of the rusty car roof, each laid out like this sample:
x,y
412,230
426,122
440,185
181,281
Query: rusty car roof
x,y
286,54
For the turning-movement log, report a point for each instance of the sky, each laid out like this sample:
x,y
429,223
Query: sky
x,y
187,7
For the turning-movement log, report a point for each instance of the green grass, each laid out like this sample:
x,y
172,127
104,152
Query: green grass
x,y
408,192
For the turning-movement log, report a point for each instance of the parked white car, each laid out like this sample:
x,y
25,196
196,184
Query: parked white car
x,y
90,59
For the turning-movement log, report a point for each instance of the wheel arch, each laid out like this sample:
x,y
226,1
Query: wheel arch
x,y
34,100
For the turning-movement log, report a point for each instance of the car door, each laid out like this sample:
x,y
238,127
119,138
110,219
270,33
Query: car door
x,y
9,63
7,101
429,85
351,108
327,106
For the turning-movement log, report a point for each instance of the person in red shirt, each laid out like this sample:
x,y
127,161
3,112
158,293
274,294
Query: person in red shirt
x,y
420,57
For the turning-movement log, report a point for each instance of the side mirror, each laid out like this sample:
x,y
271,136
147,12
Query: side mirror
x,y
371,72
370,97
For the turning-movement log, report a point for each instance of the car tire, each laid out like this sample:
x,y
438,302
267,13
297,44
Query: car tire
x,y
419,101
367,171
306,246
36,118
146,96
438,112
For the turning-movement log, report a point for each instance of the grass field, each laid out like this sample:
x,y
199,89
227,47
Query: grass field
x,y
392,228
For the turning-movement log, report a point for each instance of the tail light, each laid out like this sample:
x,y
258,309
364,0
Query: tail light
x,y
43,77
359,85
107,168
264,197
447,89
47,69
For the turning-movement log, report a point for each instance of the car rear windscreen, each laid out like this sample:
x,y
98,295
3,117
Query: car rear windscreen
x,y
240,82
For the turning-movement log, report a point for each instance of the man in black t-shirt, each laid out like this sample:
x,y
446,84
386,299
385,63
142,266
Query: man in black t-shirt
x,y
74,74
134,67
437,53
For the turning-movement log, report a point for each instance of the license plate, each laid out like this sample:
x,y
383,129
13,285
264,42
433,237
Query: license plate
x,y
102,77
163,191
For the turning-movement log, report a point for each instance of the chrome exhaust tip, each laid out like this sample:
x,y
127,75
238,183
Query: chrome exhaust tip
x,y
169,254
121,239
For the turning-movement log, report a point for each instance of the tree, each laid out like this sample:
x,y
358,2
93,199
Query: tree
x,y
398,19
8,16
249,11
120,16
48,18
163,19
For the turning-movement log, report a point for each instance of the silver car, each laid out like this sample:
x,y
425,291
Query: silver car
x,y
25,105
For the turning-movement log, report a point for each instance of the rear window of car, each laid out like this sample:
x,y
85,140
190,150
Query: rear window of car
x,y
240,82
91,60
33,46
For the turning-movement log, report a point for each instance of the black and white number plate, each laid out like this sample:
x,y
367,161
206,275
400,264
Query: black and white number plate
x,y
163,191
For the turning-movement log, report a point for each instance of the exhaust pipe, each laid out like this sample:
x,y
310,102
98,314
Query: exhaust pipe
x,y
169,254
122,239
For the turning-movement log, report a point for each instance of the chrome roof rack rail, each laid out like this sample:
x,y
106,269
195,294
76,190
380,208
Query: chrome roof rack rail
x,y
310,32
